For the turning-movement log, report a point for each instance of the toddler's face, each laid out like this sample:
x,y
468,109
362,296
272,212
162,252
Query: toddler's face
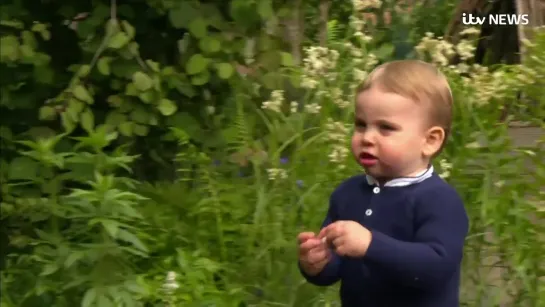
x,y
389,134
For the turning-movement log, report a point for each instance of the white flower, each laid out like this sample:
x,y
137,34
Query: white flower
x,y
445,168
313,108
360,5
276,173
470,31
465,49
359,75
309,83
210,110
275,102
170,282
293,107
338,154
356,23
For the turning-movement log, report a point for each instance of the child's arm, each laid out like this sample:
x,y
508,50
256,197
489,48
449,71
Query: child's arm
x,y
329,274
440,230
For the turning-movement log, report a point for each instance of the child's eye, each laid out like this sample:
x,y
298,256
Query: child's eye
x,y
360,124
387,127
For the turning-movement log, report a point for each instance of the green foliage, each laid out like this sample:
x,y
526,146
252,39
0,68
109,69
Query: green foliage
x,y
141,165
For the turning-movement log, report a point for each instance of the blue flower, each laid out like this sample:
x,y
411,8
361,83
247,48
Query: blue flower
x,y
284,160
300,183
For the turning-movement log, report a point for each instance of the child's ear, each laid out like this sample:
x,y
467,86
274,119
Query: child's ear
x,y
434,139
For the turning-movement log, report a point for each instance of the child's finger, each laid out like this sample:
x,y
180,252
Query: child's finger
x,y
308,245
317,256
328,230
304,236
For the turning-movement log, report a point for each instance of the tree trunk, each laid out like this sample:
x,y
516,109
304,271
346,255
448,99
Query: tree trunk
x,y
324,15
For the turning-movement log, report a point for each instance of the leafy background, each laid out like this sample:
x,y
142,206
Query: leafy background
x,y
166,153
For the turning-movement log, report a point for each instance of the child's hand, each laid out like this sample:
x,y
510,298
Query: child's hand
x,y
313,253
349,238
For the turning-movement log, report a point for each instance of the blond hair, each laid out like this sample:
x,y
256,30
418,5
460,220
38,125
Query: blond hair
x,y
419,81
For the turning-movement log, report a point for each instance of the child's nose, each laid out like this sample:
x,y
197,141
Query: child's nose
x,y
367,138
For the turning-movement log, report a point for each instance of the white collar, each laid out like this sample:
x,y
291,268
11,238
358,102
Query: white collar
x,y
403,181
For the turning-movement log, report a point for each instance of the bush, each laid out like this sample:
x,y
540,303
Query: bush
x,y
179,174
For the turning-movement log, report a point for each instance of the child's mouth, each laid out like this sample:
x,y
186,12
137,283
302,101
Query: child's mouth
x,y
367,159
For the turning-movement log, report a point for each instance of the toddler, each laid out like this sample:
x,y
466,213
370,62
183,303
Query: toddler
x,y
394,237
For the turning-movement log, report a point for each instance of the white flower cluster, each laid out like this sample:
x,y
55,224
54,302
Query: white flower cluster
x,y
293,106
485,85
440,51
445,168
170,283
337,134
277,173
319,61
275,102
338,98
363,63
360,5
313,108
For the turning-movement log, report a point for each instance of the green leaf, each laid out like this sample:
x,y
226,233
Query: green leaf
x,y
119,40
142,81
49,269
153,65
128,28
384,51
103,65
125,128
82,94
270,59
89,298
196,64
9,48
22,168
225,70
87,120
140,115
47,113
141,130
42,29
187,122
181,16
115,101
167,107
198,27
286,59
201,78
67,123
265,9
210,44
83,71
131,238
12,24
114,118
111,227
29,39
72,258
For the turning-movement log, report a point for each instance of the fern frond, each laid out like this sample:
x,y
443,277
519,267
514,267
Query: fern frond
x,y
333,31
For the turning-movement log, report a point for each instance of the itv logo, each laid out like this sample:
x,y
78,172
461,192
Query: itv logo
x,y
496,19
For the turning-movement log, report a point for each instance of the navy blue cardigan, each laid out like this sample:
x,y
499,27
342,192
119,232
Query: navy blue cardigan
x,y
418,227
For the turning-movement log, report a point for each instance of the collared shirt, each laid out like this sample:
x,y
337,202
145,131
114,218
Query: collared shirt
x,y
404,181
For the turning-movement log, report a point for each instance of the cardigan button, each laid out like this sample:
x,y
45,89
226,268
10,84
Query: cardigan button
x,y
368,212
376,190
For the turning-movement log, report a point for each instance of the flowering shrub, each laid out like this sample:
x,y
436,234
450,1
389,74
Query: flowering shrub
x,y
478,161
219,229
